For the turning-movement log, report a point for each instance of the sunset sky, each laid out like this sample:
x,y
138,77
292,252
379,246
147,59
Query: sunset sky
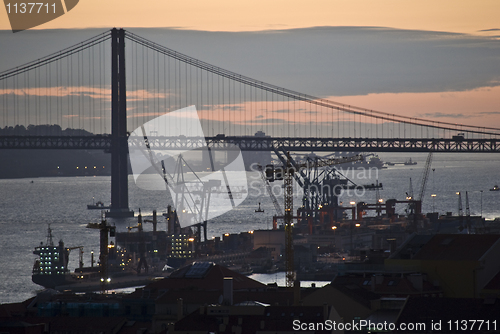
x,y
463,16
430,59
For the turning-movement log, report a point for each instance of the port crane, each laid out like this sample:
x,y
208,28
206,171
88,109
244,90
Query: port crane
x,y
425,176
142,247
288,171
104,231
174,185
411,209
267,175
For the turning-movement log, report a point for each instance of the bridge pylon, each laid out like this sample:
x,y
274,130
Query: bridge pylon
x,y
119,146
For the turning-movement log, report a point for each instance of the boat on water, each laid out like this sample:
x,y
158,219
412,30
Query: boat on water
x,y
495,188
259,209
51,270
372,162
410,162
97,206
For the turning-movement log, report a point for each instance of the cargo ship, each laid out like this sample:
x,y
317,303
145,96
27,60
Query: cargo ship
x,y
373,162
51,270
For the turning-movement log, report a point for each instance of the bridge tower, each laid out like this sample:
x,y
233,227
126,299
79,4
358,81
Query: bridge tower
x,y
119,146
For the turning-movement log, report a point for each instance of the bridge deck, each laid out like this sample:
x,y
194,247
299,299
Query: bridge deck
x,y
103,142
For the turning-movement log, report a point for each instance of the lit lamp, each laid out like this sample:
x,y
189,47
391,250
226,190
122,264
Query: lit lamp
x,y
353,214
353,217
379,210
433,196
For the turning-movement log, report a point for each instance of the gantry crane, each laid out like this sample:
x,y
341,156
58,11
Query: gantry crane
x,y
289,169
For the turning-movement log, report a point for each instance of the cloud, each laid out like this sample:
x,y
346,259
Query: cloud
x,y
267,121
493,29
445,115
320,61
489,113
458,115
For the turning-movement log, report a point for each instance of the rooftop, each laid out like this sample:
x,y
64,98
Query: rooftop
x,y
205,276
457,247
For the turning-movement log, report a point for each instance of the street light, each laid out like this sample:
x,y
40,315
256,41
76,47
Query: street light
x,y
352,222
379,209
433,191
353,212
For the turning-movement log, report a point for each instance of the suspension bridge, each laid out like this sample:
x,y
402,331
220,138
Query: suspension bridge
x,y
109,85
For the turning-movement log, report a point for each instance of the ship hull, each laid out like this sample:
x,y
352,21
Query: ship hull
x,y
51,281
71,283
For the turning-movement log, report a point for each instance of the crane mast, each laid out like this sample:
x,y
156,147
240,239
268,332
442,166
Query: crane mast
x,y
467,212
288,180
290,168
460,210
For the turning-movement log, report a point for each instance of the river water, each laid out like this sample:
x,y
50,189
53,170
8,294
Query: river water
x,y
27,207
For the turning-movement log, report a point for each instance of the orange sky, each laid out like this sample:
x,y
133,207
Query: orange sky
x,y
479,107
463,16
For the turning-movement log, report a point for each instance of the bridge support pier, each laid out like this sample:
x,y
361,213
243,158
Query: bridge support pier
x,y
119,147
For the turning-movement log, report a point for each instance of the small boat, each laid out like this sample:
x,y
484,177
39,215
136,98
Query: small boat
x,y
97,206
259,209
410,162
495,188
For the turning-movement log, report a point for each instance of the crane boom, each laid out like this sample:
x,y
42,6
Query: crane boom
x,y
425,176
277,207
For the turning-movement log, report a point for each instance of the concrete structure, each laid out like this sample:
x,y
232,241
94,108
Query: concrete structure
x,y
274,240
